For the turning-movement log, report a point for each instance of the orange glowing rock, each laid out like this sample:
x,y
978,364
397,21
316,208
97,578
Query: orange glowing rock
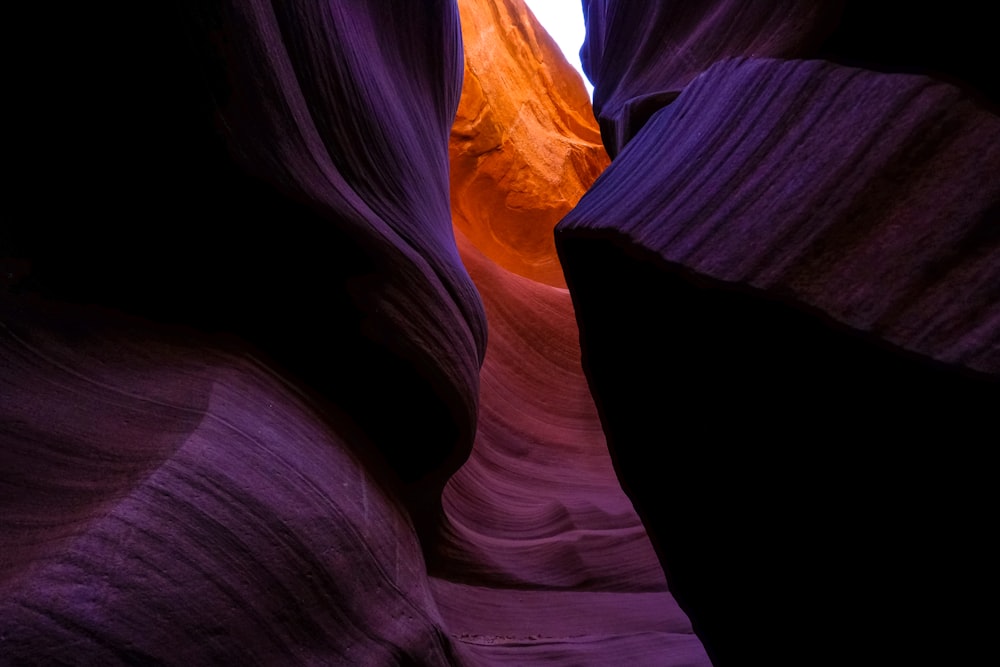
x,y
537,536
525,145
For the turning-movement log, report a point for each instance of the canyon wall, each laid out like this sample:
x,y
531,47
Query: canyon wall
x,y
308,359
232,399
786,286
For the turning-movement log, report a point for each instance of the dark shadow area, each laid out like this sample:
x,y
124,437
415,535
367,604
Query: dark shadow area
x,y
125,196
954,42
815,496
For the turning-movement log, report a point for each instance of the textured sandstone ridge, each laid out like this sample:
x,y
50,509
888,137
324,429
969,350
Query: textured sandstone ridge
x,y
279,173
786,287
880,215
273,494
641,54
167,499
541,559
524,146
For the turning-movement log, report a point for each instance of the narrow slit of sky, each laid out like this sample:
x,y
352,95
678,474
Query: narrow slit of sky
x,y
563,19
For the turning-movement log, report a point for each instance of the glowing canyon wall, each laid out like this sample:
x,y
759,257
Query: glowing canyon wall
x,y
331,334
524,146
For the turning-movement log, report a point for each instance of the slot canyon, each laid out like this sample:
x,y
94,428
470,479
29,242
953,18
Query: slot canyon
x,y
353,332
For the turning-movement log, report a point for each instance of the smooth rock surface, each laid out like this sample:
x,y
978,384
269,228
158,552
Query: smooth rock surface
x,y
641,54
248,468
168,499
280,173
524,146
541,558
786,285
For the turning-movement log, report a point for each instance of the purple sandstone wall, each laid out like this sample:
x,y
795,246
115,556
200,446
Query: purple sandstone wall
x,y
276,175
786,286
241,419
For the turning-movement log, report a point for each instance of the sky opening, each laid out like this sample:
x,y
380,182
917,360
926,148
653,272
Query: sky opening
x,y
563,19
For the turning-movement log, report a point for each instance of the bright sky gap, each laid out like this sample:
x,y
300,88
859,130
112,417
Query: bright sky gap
x,y
563,19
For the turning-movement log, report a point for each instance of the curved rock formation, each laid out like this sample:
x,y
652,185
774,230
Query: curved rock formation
x,y
542,558
524,147
241,353
168,499
280,174
786,290
282,166
641,54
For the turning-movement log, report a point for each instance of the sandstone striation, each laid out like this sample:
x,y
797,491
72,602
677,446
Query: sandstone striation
x,y
227,430
784,282
540,552
277,176
668,44
168,499
524,146
248,414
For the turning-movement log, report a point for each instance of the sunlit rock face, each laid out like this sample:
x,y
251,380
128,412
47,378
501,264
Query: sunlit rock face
x,y
524,146
541,557
785,281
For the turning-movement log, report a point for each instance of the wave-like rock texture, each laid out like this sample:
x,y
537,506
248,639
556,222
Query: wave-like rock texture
x,y
524,146
167,499
641,54
787,289
542,558
271,493
278,172
287,181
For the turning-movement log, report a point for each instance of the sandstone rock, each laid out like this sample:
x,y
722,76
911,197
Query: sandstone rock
x,y
524,146
641,54
541,558
269,494
785,285
167,499
786,294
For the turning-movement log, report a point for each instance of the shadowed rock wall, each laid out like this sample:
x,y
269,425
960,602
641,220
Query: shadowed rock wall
x,y
247,409
277,174
241,354
541,557
786,290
